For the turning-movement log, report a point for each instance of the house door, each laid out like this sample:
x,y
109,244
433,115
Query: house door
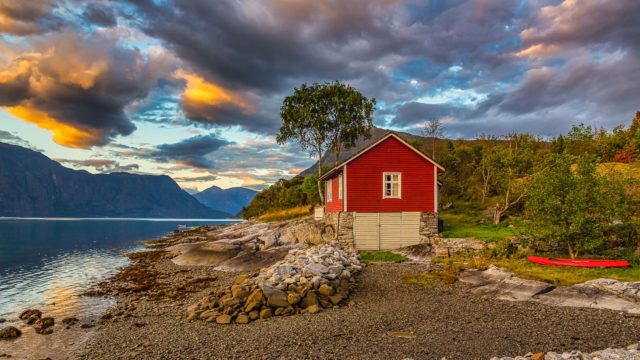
x,y
386,231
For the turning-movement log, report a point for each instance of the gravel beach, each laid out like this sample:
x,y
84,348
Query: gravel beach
x,y
388,319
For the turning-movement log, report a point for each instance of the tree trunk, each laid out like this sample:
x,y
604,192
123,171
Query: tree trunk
x,y
336,156
497,215
433,148
320,191
572,254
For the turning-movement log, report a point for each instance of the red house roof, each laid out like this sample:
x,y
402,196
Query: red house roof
x,y
337,169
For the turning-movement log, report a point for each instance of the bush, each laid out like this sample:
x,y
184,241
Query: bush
x,y
283,195
504,249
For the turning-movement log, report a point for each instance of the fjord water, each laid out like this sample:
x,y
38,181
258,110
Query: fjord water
x,y
48,263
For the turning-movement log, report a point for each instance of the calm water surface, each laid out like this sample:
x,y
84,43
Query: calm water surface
x,y
47,263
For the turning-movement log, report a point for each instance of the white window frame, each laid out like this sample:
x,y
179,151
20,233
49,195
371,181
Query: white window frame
x,y
384,184
329,188
340,186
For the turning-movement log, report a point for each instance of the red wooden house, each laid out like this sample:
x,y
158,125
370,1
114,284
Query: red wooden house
x,y
385,196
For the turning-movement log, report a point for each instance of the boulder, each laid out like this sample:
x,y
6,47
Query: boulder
x,y
255,296
325,290
313,309
310,299
335,299
243,318
265,313
30,316
316,269
267,240
239,292
223,319
250,306
254,315
70,321
9,333
293,298
44,323
275,297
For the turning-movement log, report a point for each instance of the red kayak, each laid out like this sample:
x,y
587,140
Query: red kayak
x,y
588,263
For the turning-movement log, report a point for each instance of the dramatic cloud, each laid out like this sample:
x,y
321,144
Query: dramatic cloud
x,y
78,87
100,15
201,178
10,138
193,151
576,23
101,165
94,71
23,17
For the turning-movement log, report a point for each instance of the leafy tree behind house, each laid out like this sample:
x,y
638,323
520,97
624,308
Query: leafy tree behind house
x,y
325,116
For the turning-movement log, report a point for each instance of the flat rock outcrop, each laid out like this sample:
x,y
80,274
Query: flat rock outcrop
x,y
503,285
600,293
629,353
246,246
446,247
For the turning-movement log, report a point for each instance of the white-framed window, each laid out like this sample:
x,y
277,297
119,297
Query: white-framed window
x,y
329,190
340,186
391,185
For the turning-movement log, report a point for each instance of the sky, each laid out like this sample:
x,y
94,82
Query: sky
x,y
192,89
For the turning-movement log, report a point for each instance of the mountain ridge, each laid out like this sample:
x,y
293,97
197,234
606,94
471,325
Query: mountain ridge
x,y
231,200
33,185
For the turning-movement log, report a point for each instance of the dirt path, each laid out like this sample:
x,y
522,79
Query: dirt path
x,y
445,319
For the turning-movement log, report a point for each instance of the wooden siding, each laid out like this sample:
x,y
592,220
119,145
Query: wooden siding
x,y
386,231
335,205
366,231
364,183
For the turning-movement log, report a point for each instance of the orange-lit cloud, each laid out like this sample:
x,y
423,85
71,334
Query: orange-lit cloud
x,y
203,95
78,88
63,134
27,17
539,50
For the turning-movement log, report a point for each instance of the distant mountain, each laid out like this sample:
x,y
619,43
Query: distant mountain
x,y
31,185
228,200
376,133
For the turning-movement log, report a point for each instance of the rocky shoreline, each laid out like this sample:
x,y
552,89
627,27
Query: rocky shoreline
x,y
380,314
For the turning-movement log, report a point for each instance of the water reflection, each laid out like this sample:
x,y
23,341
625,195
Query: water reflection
x,y
45,262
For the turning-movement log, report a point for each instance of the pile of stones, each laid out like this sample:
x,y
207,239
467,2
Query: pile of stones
x,y
305,281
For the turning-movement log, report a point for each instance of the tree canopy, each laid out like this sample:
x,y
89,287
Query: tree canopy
x,y
319,117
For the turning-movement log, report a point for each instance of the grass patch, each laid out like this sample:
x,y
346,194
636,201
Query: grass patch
x,y
427,279
369,256
555,275
565,276
285,214
457,225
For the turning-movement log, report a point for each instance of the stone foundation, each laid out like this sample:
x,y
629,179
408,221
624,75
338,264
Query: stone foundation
x,y
428,227
342,224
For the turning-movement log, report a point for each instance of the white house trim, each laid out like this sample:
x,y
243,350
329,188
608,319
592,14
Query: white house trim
x,y
344,189
435,190
391,173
